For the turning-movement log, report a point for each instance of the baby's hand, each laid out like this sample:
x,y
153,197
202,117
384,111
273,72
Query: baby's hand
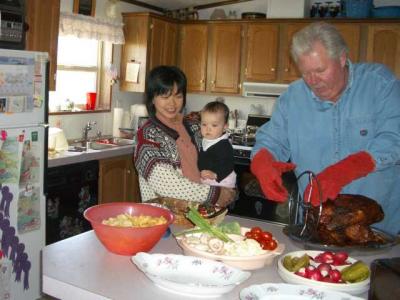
x,y
207,174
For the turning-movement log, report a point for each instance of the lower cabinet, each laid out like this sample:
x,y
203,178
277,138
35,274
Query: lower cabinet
x,y
118,180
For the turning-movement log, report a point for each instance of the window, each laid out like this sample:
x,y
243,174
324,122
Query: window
x,y
79,65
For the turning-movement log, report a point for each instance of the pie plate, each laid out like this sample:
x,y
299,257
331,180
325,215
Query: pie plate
x,y
189,276
290,277
283,291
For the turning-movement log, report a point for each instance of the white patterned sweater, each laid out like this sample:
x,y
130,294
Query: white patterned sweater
x,y
159,165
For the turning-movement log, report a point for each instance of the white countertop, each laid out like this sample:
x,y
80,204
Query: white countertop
x,y
81,268
66,157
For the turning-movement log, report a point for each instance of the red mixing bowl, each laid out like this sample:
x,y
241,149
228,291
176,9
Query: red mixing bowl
x,y
127,240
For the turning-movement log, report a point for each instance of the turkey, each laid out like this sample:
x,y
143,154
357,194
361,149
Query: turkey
x,y
346,220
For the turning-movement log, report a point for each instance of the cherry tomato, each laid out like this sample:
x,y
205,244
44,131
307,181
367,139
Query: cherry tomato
x,y
272,244
266,235
256,229
256,236
264,244
248,235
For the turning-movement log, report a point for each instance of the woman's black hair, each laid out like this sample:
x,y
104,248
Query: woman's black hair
x,y
161,81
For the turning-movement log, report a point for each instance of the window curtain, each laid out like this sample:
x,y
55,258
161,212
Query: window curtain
x,y
87,27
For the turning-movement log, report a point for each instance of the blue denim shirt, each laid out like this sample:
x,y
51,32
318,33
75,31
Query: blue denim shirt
x,y
315,134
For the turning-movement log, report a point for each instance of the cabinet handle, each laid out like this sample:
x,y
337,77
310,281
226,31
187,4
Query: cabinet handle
x,y
202,81
213,82
272,69
286,69
128,171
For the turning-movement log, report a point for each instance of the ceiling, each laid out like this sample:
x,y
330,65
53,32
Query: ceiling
x,y
163,5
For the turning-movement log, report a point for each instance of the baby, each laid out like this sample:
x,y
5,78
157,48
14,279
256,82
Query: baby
x,y
216,155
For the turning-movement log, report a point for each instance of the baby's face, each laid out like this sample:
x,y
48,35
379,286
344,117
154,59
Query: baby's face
x,y
212,125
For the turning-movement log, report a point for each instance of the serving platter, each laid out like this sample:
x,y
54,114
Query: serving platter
x,y
283,291
294,233
242,262
290,277
189,276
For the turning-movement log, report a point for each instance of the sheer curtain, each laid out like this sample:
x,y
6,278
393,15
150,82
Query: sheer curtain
x,y
87,27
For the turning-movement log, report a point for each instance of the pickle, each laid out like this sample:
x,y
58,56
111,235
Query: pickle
x,y
357,272
287,263
302,262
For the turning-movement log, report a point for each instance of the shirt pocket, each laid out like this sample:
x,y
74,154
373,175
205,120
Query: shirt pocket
x,y
359,131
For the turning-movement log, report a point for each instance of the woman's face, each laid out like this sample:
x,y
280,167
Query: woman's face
x,y
169,105
212,125
325,76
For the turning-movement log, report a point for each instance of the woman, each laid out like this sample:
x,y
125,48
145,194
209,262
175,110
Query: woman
x,y
168,145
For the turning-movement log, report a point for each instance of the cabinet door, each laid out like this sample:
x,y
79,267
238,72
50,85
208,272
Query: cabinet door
x,y
261,52
117,181
289,69
224,58
136,32
163,43
193,55
351,35
43,17
383,46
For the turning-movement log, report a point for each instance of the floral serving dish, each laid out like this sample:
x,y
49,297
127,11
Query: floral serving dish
x,y
282,291
351,288
189,276
252,262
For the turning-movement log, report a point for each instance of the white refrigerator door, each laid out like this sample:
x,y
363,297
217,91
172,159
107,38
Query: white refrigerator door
x,y
22,211
23,88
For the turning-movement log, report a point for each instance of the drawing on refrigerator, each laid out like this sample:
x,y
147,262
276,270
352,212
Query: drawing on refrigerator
x,y
23,161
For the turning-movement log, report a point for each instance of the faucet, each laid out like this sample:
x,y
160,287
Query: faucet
x,y
86,129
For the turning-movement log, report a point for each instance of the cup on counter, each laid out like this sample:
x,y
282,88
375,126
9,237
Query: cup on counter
x,y
91,101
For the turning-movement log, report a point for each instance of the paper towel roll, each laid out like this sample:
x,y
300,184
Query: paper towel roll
x,y
117,121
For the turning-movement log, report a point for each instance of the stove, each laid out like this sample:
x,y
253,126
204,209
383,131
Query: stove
x,y
240,151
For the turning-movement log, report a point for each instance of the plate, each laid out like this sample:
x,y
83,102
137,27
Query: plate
x,y
189,276
351,288
282,291
294,234
242,262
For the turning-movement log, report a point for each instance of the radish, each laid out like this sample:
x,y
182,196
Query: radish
x,y
301,272
309,271
335,275
316,275
325,257
339,258
324,269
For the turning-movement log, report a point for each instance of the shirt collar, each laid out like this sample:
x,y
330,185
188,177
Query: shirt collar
x,y
206,143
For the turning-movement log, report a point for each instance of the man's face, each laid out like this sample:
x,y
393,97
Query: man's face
x,y
325,76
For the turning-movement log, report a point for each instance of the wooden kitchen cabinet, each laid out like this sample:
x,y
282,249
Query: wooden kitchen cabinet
x,y
383,45
261,52
193,49
118,180
351,34
223,68
150,41
42,17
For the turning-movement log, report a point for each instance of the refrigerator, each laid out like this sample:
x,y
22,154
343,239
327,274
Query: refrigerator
x,y
23,163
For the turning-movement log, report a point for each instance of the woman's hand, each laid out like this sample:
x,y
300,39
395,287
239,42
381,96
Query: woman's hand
x,y
226,197
207,174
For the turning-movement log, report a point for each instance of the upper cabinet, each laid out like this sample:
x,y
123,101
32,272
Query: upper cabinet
x,y
223,67
193,49
351,34
150,41
209,55
383,45
288,68
261,52
43,17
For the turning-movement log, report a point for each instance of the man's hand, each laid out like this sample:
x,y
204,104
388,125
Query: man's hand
x,y
333,178
226,197
269,174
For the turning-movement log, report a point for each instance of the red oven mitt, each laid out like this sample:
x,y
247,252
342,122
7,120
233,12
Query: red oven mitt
x,y
269,174
333,178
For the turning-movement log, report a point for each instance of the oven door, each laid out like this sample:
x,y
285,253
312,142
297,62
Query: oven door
x,y
252,203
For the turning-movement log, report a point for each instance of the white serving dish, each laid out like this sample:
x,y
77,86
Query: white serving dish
x,y
350,288
283,291
189,276
242,262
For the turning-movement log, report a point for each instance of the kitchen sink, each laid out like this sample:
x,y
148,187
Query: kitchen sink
x,y
99,144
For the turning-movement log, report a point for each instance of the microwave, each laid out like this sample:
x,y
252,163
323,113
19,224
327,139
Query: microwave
x,y
12,24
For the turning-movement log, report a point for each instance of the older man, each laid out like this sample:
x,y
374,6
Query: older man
x,y
341,121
